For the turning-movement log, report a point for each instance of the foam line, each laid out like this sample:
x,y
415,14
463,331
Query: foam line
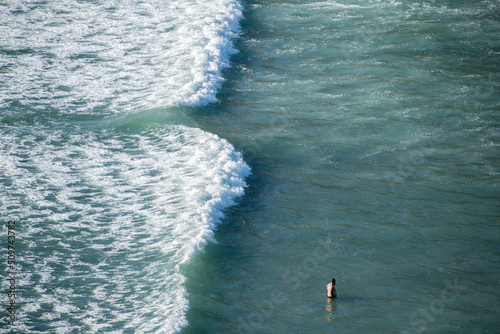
x,y
129,56
108,218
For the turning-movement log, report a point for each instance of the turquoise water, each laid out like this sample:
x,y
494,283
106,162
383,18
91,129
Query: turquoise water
x,y
370,129
112,187
372,132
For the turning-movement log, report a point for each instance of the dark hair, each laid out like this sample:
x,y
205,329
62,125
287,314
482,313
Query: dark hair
x,y
333,281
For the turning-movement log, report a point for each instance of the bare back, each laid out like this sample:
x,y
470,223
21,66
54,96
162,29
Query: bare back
x,y
332,292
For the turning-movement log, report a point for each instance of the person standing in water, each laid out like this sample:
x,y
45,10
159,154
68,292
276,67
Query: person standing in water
x,y
332,292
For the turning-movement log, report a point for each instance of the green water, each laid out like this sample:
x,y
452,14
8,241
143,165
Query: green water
x,y
372,131
371,128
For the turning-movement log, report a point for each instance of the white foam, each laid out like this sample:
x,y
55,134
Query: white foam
x,y
127,56
144,203
107,218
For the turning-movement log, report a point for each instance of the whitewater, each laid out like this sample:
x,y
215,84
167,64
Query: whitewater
x,y
127,133
110,199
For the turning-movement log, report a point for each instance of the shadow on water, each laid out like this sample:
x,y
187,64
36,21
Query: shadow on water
x,y
217,274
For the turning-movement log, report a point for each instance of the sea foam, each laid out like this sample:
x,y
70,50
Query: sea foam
x,y
114,57
106,220
108,216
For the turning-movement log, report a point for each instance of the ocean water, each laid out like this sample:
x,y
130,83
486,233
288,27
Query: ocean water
x,y
208,167
111,189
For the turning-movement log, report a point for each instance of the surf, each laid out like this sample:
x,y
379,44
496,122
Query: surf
x,y
111,198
